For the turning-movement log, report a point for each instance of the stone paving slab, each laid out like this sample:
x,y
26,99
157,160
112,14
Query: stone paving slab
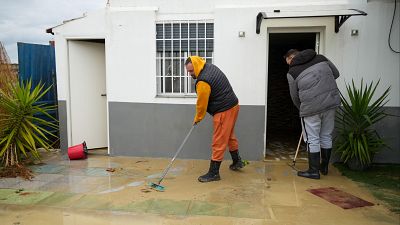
x,y
23,198
60,199
152,206
209,209
92,202
83,192
97,172
32,185
137,206
48,168
10,182
169,207
248,210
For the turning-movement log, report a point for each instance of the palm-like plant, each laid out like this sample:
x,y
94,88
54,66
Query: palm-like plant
x,y
21,131
357,138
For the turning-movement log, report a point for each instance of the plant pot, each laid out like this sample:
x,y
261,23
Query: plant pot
x,y
355,164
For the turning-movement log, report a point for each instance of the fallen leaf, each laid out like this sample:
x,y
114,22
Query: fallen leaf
x,y
25,193
145,190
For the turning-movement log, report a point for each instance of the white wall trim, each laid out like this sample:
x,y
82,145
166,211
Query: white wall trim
x,y
83,38
131,9
286,5
184,17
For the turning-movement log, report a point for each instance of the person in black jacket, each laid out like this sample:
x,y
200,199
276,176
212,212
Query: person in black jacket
x,y
314,91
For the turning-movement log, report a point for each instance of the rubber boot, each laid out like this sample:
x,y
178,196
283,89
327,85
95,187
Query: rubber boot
x,y
325,157
313,166
237,161
213,172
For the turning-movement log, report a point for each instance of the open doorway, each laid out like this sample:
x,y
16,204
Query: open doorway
x,y
283,122
88,99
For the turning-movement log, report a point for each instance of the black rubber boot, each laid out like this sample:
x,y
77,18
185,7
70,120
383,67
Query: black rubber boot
x,y
313,166
237,161
325,157
213,172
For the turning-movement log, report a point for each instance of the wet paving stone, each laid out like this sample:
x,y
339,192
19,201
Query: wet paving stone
x,y
248,210
50,168
4,193
137,206
83,192
47,177
97,172
169,207
128,172
23,197
93,202
59,199
10,182
32,184
209,209
86,184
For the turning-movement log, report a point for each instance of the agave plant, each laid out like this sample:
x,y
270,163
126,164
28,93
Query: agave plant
x,y
21,131
358,140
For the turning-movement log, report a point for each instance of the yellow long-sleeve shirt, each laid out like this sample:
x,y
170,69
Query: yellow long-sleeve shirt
x,y
203,94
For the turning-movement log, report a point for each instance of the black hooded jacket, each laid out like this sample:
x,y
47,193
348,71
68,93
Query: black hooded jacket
x,y
312,83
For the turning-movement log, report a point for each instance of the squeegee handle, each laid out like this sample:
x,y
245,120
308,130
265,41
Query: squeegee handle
x,y
298,147
176,154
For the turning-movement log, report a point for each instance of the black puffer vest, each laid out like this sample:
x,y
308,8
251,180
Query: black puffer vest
x,y
222,96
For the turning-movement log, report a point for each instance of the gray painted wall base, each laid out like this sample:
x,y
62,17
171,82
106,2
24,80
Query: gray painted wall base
x,y
389,130
157,130
62,113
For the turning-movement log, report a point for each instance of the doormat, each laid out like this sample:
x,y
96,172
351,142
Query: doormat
x,y
340,198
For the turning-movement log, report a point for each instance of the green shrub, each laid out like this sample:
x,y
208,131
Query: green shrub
x,y
357,139
21,131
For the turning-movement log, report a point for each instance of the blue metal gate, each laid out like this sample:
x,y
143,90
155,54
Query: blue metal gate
x,y
37,63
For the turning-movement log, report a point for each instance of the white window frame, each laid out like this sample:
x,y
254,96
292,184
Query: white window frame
x,y
187,79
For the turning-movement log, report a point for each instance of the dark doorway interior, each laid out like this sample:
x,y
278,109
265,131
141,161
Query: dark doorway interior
x,y
283,122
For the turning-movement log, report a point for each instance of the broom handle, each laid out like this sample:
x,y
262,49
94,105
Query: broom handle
x,y
176,154
298,147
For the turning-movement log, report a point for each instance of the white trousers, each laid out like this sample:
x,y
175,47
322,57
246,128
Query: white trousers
x,y
317,130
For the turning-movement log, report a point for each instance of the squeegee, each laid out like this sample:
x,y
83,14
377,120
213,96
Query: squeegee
x,y
157,186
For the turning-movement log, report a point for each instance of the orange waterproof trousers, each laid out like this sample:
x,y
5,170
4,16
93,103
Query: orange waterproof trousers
x,y
224,126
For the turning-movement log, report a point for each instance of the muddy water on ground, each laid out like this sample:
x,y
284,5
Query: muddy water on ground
x,y
87,192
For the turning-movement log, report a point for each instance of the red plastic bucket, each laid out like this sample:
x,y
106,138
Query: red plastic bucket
x,y
78,151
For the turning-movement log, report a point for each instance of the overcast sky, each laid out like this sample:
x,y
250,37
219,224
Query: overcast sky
x,y
27,20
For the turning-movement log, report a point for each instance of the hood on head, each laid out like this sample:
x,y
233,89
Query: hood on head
x,y
303,57
198,64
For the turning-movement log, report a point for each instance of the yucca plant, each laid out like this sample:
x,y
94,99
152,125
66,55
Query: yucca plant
x,y
22,133
7,76
357,139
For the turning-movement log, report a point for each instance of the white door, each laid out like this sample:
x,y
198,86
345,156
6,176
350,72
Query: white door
x,y
88,102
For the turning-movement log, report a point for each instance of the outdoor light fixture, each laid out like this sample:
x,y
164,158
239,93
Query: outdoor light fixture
x,y
354,32
242,34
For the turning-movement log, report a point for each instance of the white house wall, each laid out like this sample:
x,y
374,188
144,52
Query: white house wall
x,y
243,60
131,56
91,26
367,56
128,27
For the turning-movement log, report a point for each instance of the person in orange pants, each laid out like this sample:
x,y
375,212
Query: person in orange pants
x,y
216,96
